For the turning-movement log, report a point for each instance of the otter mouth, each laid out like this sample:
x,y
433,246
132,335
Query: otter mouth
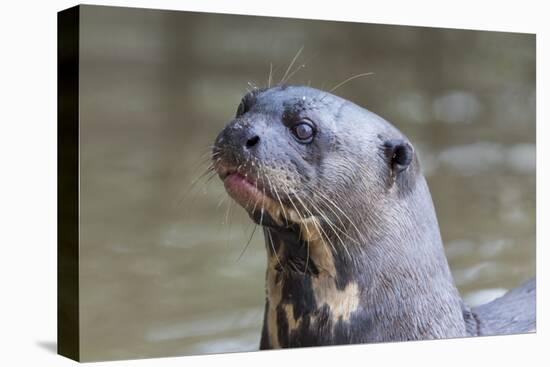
x,y
243,187
264,206
244,190
255,198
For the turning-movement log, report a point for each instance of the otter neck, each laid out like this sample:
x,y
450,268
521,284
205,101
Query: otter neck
x,y
392,283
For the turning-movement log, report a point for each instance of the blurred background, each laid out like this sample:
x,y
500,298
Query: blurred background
x,y
160,267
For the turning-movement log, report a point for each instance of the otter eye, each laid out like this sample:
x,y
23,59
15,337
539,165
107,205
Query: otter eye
x,y
303,131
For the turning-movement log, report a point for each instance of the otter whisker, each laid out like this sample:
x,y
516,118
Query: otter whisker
x,y
318,227
332,227
249,199
256,201
278,197
342,229
261,169
208,172
307,257
204,161
298,68
291,64
275,251
206,151
302,66
212,175
349,80
227,212
270,75
255,185
262,214
302,218
220,202
248,243
252,85
324,238
195,181
338,208
226,222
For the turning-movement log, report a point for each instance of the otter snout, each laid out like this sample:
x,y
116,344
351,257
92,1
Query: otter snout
x,y
237,143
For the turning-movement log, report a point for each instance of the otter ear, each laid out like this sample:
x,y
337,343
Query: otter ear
x,y
400,154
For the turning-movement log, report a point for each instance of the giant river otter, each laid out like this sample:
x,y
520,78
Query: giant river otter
x,y
353,244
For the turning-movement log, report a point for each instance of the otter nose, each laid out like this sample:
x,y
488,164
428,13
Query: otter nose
x,y
252,141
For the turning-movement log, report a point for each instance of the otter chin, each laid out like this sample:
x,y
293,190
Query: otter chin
x,y
352,239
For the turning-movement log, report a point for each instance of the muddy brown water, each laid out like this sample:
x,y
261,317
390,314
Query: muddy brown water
x,y
160,267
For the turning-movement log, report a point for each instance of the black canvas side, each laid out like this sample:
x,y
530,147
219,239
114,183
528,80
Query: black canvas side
x,y
68,329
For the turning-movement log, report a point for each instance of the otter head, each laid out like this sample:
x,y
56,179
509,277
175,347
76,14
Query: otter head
x,y
299,158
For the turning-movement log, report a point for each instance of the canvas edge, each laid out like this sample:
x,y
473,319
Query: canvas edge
x,y
68,323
